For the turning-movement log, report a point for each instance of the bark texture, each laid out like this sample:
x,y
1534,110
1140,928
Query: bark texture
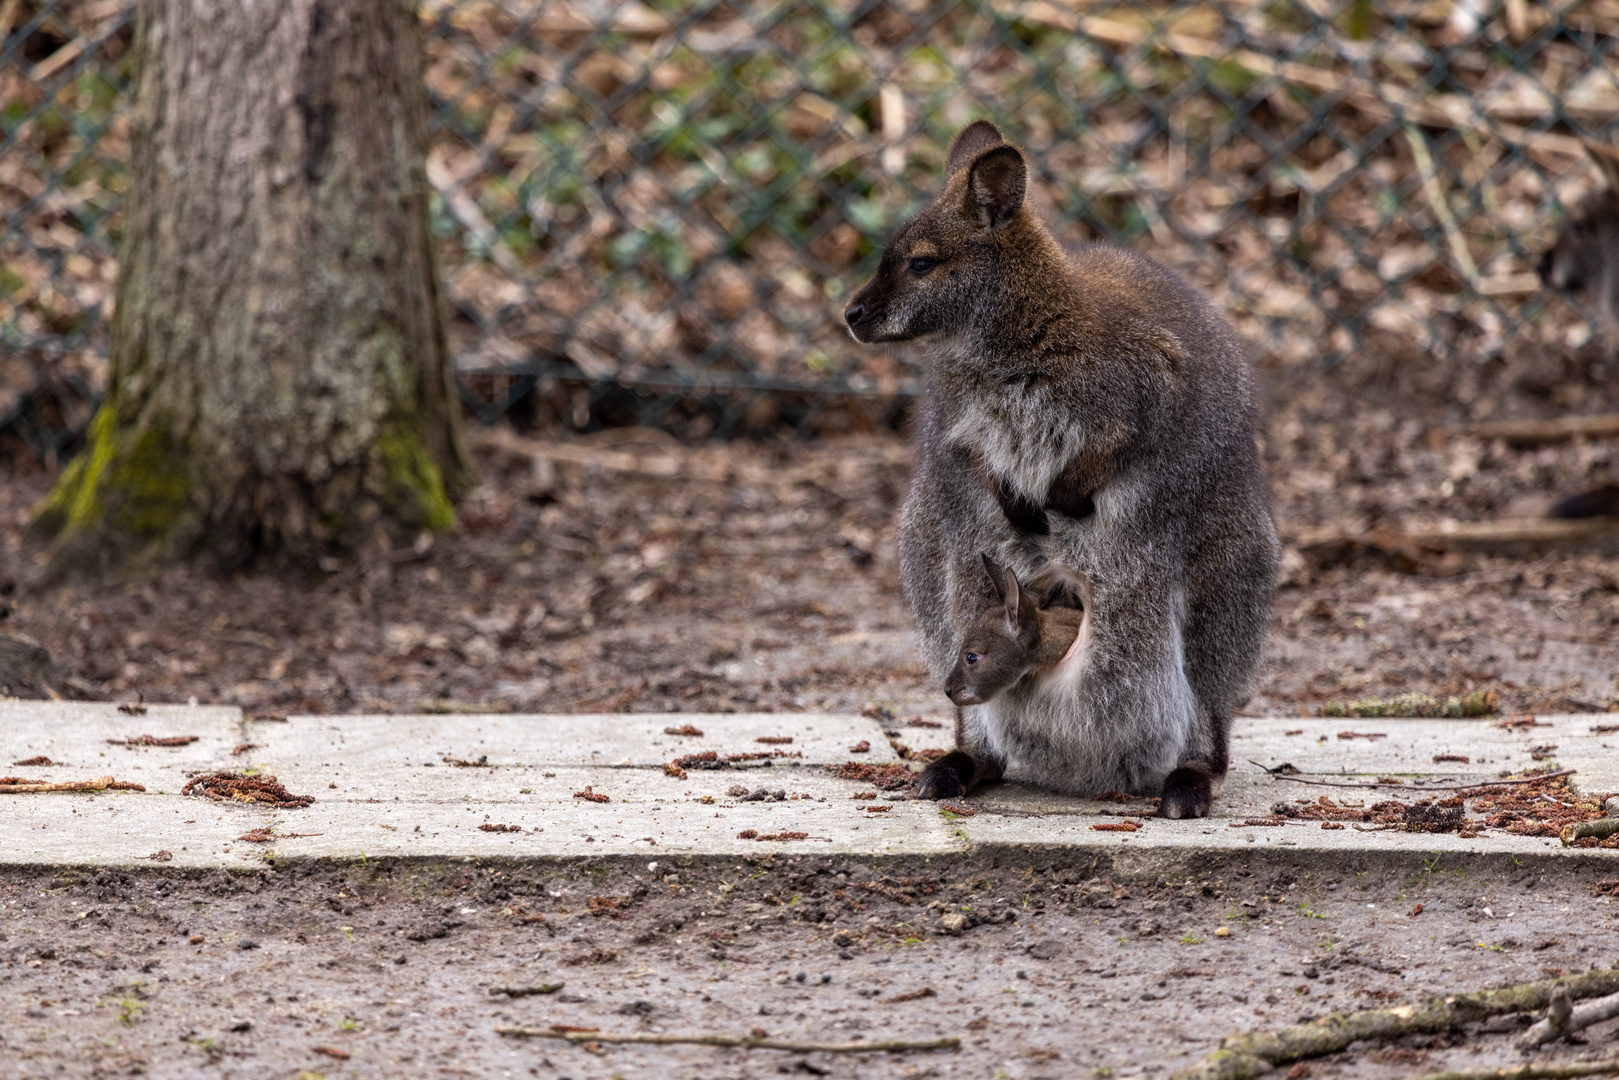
x,y
280,371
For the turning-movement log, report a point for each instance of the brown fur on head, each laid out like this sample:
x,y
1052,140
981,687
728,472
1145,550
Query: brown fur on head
x,y
1585,258
937,271
998,647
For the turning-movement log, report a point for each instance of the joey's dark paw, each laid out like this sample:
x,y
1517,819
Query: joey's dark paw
x,y
939,781
1188,793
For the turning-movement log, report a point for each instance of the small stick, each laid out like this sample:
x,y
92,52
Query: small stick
x,y
1248,1054
1418,787
1441,207
746,1042
1602,829
100,783
1531,1072
527,991
1581,1016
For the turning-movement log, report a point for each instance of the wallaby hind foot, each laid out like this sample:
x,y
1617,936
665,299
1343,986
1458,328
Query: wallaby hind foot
x,y
954,775
1188,792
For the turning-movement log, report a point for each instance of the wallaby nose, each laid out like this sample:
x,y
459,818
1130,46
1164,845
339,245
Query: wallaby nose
x,y
854,313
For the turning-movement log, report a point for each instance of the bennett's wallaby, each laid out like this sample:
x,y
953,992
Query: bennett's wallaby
x,y
1087,416
1010,639
1585,258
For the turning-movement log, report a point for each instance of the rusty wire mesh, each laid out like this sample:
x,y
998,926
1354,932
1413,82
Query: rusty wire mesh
x,y
652,212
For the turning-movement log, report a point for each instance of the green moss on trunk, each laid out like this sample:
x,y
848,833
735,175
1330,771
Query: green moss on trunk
x,y
131,481
415,486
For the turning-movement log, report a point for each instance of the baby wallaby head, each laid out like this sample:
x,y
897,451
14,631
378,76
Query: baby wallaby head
x,y
998,646
1585,257
943,263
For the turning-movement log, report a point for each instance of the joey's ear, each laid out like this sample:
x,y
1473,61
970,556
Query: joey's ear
x,y
994,573
1606,155
995,186
1014,603
974,139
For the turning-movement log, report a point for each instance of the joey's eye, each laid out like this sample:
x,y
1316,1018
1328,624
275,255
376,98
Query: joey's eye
x,y
971,658
922,265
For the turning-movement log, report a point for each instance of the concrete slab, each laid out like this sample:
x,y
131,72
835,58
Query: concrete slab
x,y
383,789
632,741
74,735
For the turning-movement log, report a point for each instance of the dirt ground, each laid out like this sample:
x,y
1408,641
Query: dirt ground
x,y
623,571
1067,972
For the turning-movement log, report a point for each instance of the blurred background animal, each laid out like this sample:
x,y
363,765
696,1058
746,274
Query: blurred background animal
x,y
1585,261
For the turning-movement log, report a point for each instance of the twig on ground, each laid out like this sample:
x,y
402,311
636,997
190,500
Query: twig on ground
x,y
1417,787
1601,829
527,991
1441,208
1531,1072
1559,1022
1535,432
100,783
746,1042
1248,1054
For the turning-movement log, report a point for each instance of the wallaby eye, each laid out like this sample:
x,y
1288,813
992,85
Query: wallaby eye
x,y
922,265
971,658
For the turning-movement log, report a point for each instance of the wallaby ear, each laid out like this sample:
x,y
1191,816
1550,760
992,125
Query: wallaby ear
x,y
1014,603
974,139
994,573
995,186
1606,155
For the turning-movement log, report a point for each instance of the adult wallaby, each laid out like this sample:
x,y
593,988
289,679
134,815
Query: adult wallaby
x,y
1087,417
1585,257
1012,639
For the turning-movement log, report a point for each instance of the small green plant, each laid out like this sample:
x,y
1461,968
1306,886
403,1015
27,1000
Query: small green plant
x,y
1306,913
348,932
1492,948
1193,939
1100,1071
348,1024
1124,939
129,1009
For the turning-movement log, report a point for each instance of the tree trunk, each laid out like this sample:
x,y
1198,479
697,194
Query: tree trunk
x,y
280,371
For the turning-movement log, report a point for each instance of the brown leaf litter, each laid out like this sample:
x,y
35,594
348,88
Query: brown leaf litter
x,y
247,789
1540,807
886,777
155,740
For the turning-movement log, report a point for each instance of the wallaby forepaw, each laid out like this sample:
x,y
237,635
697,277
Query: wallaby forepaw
x,y
939,783
1188,793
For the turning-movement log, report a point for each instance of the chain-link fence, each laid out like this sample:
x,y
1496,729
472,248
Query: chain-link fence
x,y
653,212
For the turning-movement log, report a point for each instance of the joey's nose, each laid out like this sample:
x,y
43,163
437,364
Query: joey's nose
x,y
854,313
